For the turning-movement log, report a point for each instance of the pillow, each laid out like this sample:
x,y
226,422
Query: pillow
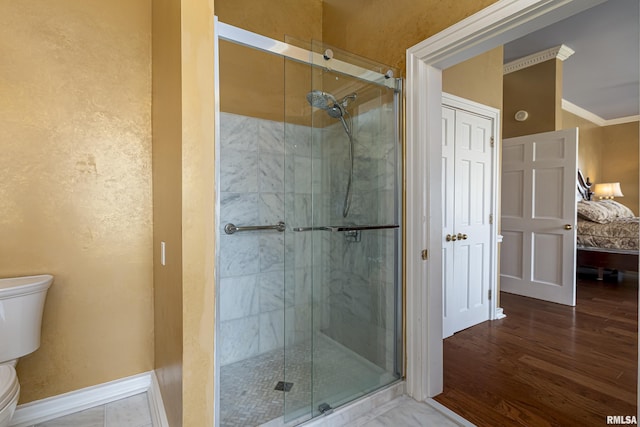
x,y
618,209
595,211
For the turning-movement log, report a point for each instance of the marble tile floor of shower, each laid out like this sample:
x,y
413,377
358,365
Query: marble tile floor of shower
x,y
129,412
247,388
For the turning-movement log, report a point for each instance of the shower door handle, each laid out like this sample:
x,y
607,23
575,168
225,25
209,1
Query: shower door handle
x,y
338,228
232,228
335,229
317,228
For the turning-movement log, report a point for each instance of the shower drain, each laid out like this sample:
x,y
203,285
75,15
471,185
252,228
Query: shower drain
x,y
283,386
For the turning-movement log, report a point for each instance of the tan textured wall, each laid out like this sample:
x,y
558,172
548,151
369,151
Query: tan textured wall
x,y
252,82
167,209
198,204
537,90
368,28
478,79
557,100
590,138
609,154
382,31
75,175
274,19
619,161
184,200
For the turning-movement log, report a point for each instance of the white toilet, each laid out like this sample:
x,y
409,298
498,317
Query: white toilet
x,y
21,306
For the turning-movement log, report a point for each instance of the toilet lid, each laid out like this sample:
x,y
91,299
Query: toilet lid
x,y
9,386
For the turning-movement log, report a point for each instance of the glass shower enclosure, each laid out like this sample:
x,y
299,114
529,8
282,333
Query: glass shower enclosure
x,y
309,295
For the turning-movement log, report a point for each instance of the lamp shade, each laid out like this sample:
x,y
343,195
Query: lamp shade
x,y
608,190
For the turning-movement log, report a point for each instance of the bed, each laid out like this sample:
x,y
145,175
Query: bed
x,y
607,233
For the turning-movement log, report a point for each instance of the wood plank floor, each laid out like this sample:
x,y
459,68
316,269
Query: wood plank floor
x,y
546,364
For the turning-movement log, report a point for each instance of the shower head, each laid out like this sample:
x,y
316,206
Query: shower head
x,y
320,99
325,101
338,110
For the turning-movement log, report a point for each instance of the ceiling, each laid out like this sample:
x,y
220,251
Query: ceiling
x,y
602,75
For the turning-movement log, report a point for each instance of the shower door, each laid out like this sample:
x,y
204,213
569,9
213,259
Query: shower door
x,y
308,170
342,240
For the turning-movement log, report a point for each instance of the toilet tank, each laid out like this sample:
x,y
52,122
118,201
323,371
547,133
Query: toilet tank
x,y
21,305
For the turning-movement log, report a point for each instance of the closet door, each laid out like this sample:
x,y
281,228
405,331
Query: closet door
x,y
467,171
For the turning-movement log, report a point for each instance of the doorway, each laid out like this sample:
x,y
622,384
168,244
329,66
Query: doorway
x,y
495,25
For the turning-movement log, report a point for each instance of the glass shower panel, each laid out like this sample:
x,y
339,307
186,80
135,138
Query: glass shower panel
x,y
250,264
342,240
300,159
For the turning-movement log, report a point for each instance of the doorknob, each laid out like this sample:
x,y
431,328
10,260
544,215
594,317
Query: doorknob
x,y
451,238
462,236
568,227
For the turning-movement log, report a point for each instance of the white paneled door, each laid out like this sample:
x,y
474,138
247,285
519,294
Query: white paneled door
x,y
467,162
538,254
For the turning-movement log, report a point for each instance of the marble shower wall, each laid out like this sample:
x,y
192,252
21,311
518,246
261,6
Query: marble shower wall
x,y
360,297
344,289
253,297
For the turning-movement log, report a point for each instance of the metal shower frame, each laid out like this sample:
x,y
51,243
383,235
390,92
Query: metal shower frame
x,y
257,41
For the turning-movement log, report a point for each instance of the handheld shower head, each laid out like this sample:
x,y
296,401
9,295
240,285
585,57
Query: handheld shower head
x,y
338,110
325,101
320,99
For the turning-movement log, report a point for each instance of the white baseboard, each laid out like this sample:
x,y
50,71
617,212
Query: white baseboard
x,y
64,404
158,414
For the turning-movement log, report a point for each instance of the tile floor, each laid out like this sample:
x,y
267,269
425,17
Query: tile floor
x,y
134,412
403,411
130,412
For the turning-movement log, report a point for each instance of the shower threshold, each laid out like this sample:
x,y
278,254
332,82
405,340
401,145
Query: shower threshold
x,y
349,411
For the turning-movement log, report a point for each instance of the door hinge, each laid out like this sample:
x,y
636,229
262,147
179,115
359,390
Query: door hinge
x,y
492,141
490,218
489,293
425,255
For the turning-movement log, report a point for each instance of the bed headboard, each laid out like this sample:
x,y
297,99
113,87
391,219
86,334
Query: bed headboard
x,y
584,186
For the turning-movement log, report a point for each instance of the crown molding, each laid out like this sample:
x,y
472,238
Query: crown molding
x,y
561,52
594,118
